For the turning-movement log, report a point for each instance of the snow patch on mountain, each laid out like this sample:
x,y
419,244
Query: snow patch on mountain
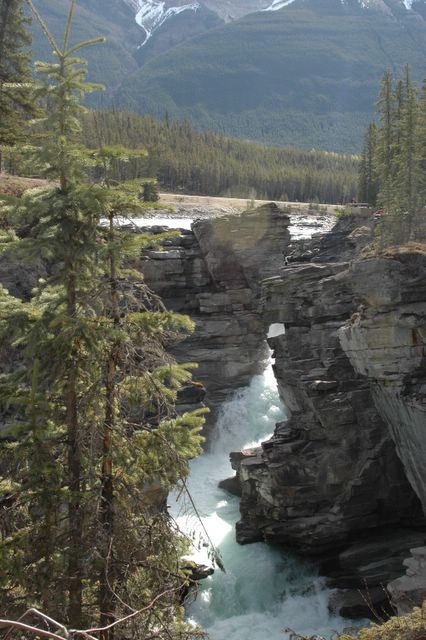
x,y
152,14
278,4
381,4
365,4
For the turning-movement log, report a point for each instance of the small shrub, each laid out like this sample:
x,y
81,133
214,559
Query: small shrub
x,y
409,627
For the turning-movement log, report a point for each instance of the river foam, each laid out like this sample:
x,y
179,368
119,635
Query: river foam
x,y
266,593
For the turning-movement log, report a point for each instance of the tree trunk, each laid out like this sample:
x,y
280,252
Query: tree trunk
x,y
74,469
106,595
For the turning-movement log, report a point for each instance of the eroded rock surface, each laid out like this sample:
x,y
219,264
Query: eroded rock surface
x,y
386,344
332,481
330,477
213,273
410,589
331,470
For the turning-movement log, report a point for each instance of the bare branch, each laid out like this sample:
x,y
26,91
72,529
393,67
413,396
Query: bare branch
x,y
6,624
128,617
44,617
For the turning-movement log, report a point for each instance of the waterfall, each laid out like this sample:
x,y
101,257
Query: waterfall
x,y
266,592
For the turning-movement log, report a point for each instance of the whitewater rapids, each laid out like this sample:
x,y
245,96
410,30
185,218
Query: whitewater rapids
x,y
266,594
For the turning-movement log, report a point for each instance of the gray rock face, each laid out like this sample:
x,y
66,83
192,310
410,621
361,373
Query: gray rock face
x,y
365,567
386,343
213,274
410,590
310,486
330,482
330,472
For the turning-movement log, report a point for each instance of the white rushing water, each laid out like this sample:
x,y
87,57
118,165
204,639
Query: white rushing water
x,y
302,226
265,592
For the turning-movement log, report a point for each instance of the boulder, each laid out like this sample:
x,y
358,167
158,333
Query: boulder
x,y
409,590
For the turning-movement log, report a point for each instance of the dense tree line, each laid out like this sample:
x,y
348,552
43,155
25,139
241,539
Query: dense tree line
x,y
393,160
186,160
90,438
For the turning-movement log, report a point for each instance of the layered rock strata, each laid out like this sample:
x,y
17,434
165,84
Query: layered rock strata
x,y
330,482
310,486
213,273
386,345
330,477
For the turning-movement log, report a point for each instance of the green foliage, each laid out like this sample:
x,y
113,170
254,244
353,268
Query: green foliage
x,y
304,76
91,439
211,164
368,187
16,99
150,191
392,164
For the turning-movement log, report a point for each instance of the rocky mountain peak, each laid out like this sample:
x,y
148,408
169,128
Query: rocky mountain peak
x,y
151,15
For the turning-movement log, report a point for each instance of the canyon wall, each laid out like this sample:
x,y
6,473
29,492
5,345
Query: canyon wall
x,y
343,479
386,344
213,273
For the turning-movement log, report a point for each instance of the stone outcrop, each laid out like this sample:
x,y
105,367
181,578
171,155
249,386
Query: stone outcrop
x,y
331,476
332,481
386,344
213,273
410,589
310,486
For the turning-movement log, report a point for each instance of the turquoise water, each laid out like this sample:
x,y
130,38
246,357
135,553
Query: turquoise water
x,y
266,593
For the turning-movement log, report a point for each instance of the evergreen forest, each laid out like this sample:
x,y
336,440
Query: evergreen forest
x,y
91,442
185,160
392,168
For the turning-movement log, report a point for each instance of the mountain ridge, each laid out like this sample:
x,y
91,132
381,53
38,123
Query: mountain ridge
x,y
298,72
151,15
307,75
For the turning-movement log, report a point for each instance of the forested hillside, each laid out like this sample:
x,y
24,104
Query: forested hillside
x,y
113,19
306,75
393,161
211,164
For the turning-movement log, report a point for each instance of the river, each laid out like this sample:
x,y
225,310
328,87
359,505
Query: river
x,y
266,593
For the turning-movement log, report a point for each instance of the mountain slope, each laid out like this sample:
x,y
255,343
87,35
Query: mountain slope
x,y
114,19
306,75
299,72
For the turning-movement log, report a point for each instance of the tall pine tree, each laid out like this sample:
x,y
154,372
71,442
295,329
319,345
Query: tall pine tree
x,y
94,441
16,99
385,140
368,185
406,174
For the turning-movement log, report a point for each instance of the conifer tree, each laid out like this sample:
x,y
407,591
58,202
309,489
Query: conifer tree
x,y
92,425
367,171
421,146
406,180
16,99
385,140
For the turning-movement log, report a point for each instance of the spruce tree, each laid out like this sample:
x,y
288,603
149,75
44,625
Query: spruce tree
x,y
406,174
16,98
421,146
385,140
368,186
94,441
